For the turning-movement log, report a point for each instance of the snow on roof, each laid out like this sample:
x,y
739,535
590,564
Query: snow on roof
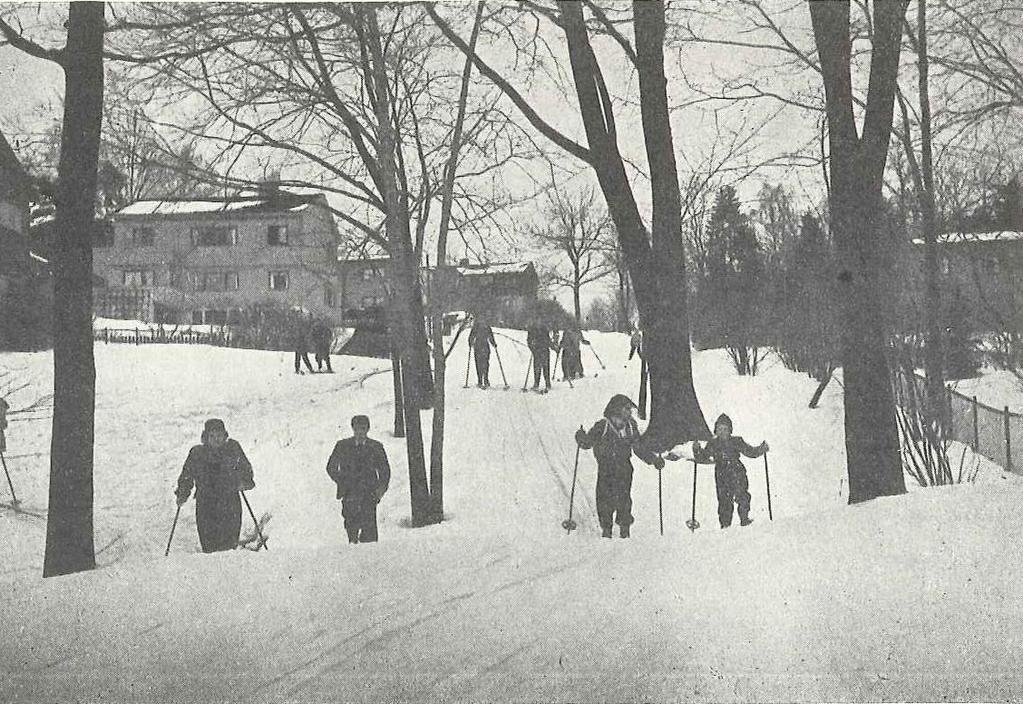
x,y
291,203
968,237
496,268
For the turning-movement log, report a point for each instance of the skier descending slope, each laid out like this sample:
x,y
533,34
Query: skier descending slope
x,y
218,469
481,337
613,439
724,450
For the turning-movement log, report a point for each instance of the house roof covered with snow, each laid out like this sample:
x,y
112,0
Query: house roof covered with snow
x,y
281,203
976,237
495,268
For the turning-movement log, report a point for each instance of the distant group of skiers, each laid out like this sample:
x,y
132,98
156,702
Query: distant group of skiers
x,y
312,335
540,342
219,472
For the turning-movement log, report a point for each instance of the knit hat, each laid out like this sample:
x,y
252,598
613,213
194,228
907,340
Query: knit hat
x,y
617,404
723,420
360,420
211,425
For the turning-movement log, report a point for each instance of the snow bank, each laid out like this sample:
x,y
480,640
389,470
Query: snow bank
x,y
912,597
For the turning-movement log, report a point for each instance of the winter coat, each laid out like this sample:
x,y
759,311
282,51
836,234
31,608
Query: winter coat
x,y
321,337
360,471
571,339
481,337
613,449
538,339
217,475
725,453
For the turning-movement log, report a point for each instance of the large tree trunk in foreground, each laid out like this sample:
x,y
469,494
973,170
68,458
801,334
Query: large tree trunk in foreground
x,y
69,524
857,170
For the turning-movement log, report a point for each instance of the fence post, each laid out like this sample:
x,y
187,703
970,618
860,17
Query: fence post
x,y
136,336
1008,441
976,428
106,336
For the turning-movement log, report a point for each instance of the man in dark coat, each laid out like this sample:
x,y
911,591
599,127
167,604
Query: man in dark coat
x,y
321,345
481,337
723,450
218,469
300,341
358,465
538,339
614,438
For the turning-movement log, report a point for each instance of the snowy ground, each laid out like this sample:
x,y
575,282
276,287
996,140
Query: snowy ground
x,y
905,598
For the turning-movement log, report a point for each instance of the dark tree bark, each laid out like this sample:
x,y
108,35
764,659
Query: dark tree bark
x,y
654,257
857,170
442,288
69,525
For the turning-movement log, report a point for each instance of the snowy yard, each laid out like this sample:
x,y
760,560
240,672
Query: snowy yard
x,y
912,597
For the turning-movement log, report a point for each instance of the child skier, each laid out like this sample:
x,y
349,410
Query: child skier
x,y
614,438
219,469
723,450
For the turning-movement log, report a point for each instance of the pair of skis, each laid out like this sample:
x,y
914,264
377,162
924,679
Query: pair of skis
x,y
468,359
261,543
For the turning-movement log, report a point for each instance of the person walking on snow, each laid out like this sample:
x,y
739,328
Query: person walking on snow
x,y
724,450
321,345
613,439
300,342
538,339
218,469
481,337
636,343
359,467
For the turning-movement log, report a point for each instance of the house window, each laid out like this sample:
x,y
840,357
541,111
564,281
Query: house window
x,y
138,278
142,237
370,273
278,281
196,317
277,234
214,236
329,297
214,280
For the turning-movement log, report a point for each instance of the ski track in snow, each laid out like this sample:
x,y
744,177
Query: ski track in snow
x,y
497,602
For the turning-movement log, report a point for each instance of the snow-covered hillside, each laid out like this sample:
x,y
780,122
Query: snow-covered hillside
x,y
904,598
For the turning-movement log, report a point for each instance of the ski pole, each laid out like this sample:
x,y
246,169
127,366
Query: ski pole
x,y
14,497
259,532
501,367
660,501
597,356
468,359
568,524
692,524
557,357
173,526
767,477
642,388
529,367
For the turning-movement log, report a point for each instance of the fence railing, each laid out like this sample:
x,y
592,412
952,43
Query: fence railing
x,y
145,336
994,433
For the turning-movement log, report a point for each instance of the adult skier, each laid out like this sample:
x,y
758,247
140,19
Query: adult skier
x,y
538,339
359,467
730,480
613,439
321,337
218,469
481,337
571,355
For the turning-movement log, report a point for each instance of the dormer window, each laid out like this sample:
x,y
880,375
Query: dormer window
x,y
142,237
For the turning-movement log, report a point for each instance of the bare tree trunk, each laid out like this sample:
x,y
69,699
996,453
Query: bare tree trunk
x,y
577,285
69,526
399,396
442,288
857,170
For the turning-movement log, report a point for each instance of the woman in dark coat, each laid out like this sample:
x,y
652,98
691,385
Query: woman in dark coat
x,y
218,469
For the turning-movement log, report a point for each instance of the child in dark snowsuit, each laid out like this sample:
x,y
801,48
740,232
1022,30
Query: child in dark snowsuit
x,y
614,438
723,450
219,469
